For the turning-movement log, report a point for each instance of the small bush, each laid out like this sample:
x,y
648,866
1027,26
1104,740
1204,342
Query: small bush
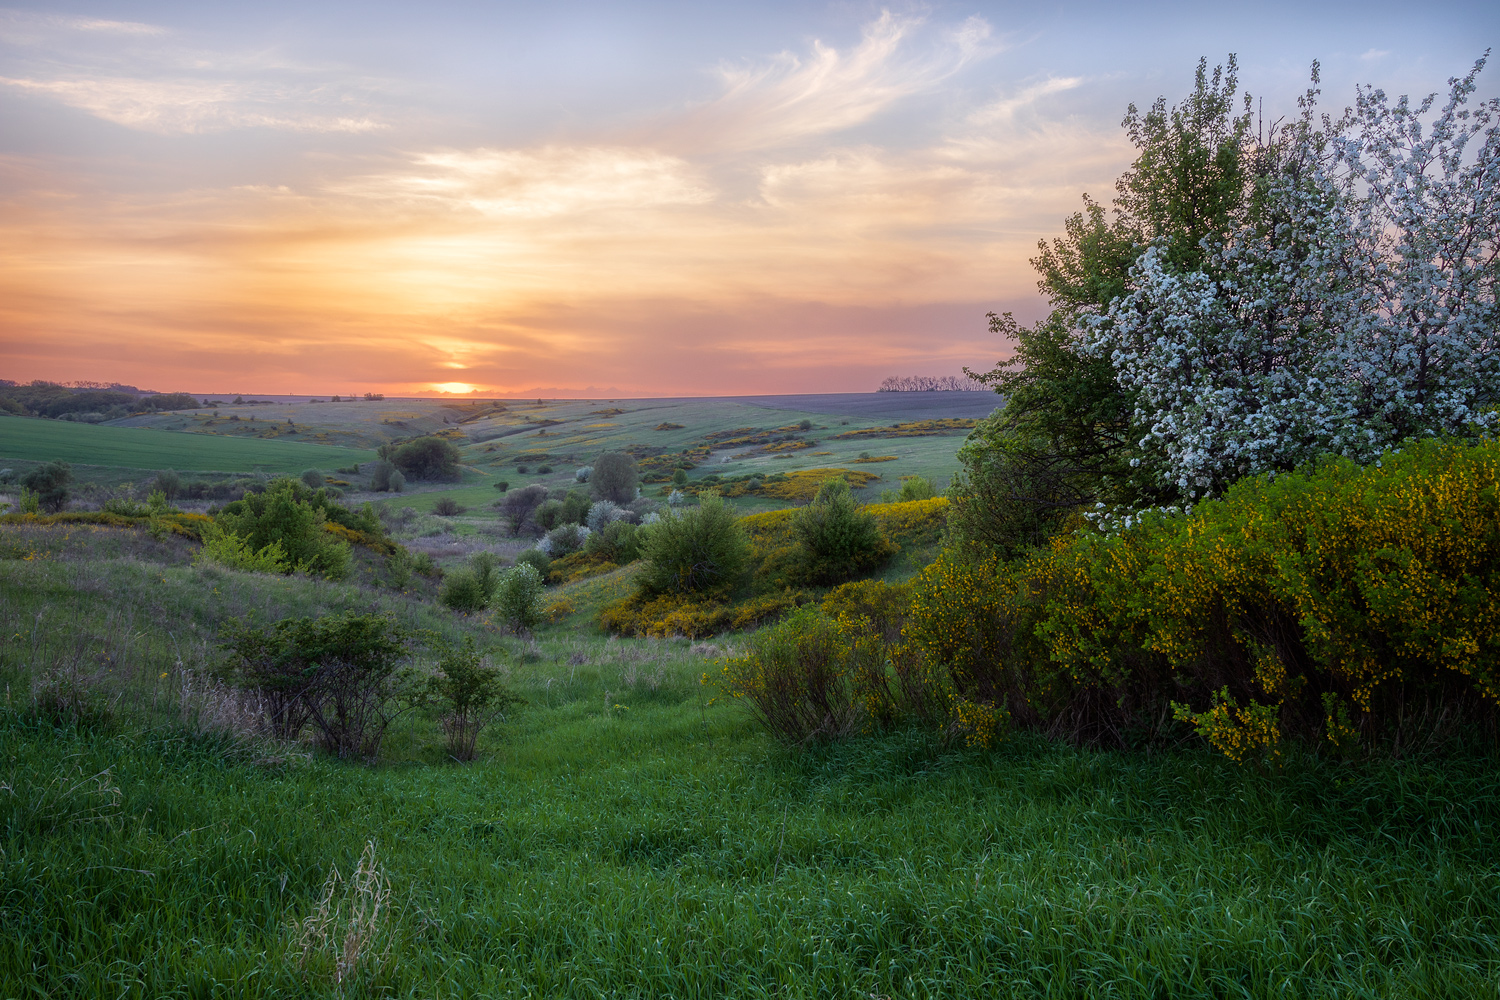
x,y
168,483
544,470
294,522
469,695
615,477
344,673
520,505
617,542
602,512
313,479
838,538
470,588
380,476
563,540
679,477
537,560
697,550
50,483
425,458
502,485
582,473
518,598
447,507
801,675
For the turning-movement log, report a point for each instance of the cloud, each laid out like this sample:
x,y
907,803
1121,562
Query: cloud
x,y
1004,110
1370,55
537,183
794,97
192,106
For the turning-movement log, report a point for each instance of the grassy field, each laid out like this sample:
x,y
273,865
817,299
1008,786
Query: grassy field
x,y
628,833
150,449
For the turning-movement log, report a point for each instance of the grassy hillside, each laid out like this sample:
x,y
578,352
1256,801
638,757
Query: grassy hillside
x,y
145,448
629,833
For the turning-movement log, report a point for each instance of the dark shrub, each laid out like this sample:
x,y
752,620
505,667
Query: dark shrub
x,y
313,479
51,484
469,696
838,538
618,542
519,505
447,507
341,672
615,477
427,458
537,560
168,484
702,548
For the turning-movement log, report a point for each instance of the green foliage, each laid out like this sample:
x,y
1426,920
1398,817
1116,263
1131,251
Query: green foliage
x,y
471,588
912,488
521,505
426,458
502,485
168,483
50,483
617,542
537,560
343,673
1322,604
235,552
699,549
469,695
447,507
289,516
518,598
615,477
1066,438
380,476
838,539
313,479
679,477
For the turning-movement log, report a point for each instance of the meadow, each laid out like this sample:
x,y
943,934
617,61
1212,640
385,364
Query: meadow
x,y
627,832
149,449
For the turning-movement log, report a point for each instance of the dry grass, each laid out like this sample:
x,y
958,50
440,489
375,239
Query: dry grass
x,y
348,935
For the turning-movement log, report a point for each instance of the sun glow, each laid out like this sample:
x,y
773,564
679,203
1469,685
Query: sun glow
x,y
454,387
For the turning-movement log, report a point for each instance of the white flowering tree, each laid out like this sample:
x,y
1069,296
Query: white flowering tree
x,y
1350,307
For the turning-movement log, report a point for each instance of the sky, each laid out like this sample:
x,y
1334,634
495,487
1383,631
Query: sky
x,y
589,199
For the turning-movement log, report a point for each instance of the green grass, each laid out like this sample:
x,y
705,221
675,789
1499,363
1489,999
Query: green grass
x,y
144,448
622,836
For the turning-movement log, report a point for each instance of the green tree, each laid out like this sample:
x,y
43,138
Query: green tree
x,y
51,483
839,539
699,549
1065,437
615,477
469,695
425,458
280,516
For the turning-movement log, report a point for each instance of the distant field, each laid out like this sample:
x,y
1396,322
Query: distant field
x,y
142,448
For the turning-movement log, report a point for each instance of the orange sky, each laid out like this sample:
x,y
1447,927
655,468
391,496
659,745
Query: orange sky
x,y
188,211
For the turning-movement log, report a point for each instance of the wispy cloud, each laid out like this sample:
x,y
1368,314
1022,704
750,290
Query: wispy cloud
x,y
194,106
537,183
1005,109
827,90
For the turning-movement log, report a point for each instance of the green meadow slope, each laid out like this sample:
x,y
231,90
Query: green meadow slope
x,y
147,448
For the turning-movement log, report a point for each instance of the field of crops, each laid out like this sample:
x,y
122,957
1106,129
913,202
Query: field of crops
x,y
149,449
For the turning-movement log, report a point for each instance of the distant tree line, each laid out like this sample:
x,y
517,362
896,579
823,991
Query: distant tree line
x,y
931,383
92,405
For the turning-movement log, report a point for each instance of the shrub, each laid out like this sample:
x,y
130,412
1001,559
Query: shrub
x,y
679,477
615,477
470,588
426,458
50,483
341,672
804,425
518,598
699,549
544,470
912,488
537,560
168,483
380,476
313,479
295,522
602,512
397,482
447,507
564,539
549,514
617,542
469,696
228,549
520,504
801,675
837,537
582,473
502,485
